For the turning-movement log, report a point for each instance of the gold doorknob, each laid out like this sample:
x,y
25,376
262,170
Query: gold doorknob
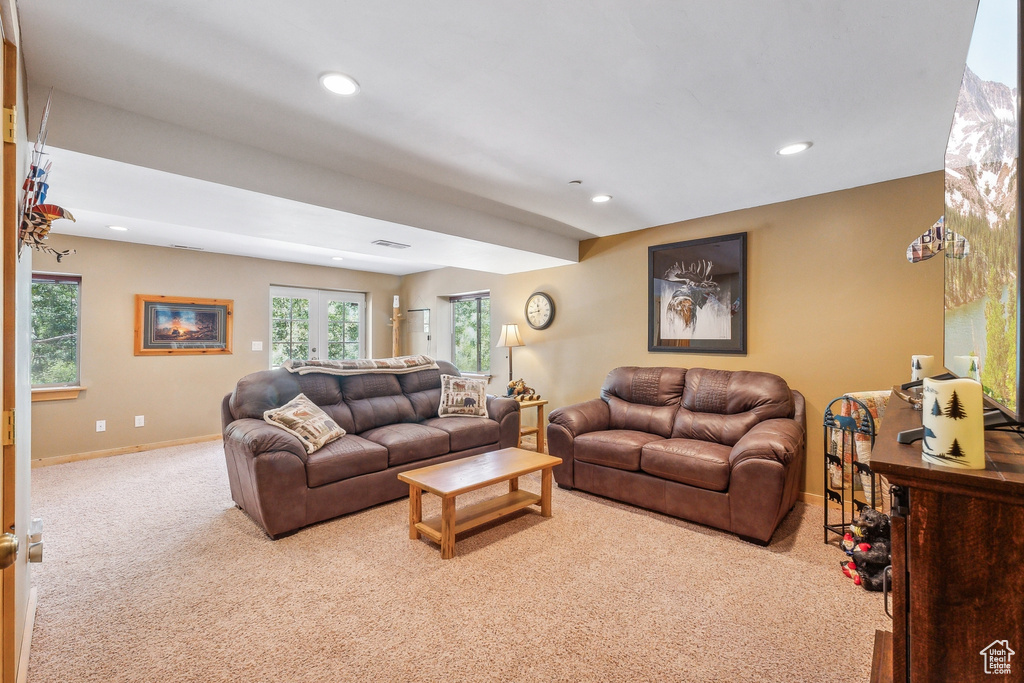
x,y
8,550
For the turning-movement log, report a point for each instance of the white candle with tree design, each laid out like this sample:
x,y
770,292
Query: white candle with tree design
x,y
923,366
954,424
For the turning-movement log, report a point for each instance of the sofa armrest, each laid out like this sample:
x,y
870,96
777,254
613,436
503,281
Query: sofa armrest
x,y
256,437
779,439
500,406
580,418
505,411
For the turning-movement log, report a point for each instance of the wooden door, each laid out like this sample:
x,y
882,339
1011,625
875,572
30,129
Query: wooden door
x,y
7,375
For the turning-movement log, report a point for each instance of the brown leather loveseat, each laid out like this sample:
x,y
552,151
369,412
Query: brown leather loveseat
x,y
720,448
391,425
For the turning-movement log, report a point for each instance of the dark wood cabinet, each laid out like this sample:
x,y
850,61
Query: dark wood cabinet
x,y
957,555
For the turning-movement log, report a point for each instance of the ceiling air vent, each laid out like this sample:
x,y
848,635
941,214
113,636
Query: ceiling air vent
x,y
393,245
185,246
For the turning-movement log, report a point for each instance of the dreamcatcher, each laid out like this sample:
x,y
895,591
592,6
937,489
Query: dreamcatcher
x,y
36,216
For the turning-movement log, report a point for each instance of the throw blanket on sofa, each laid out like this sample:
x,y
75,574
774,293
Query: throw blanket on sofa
x,y
394,366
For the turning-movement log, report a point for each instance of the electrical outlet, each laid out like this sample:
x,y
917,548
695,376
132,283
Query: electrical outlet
x,y
140,420
257,346
101,425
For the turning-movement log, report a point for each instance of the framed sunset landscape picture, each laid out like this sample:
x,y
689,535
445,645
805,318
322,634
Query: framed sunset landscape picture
x,y
167,325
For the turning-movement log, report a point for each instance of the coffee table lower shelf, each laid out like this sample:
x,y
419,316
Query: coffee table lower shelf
x,y
481,513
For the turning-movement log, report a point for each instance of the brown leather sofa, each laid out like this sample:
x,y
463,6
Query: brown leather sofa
x,y
720,448
391,425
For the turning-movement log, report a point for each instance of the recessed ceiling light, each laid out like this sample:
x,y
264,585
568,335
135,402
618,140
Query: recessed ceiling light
x,y
601,198
118,228
795,148
339,84
337,258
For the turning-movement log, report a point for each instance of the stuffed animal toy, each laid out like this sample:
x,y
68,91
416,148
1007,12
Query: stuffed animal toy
x,y
870,549
518,390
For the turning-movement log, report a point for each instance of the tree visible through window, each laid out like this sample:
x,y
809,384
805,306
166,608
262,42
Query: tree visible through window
x,y
55,330
289,329
471,332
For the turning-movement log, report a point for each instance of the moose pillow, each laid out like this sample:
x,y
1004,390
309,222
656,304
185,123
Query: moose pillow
x,y
462,397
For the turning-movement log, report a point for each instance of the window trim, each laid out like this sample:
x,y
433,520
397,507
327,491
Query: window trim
x,y
478,297
62,390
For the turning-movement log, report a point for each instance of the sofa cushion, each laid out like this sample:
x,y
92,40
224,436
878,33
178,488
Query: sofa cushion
x,y
728,393
409,442
376,400
688,461
462,397
723,429
721,406
618,448
344,458
466,432
646,386
642,418
423,389
261,391
304,419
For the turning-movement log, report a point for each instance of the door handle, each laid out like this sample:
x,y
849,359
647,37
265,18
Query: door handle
x,y
8,550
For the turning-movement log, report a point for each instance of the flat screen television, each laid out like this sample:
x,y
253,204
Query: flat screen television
x,y
982,330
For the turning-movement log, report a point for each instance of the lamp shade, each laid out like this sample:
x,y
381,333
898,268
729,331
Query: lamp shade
x,y
510,336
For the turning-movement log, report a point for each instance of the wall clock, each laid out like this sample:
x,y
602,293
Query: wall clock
x,y
540,310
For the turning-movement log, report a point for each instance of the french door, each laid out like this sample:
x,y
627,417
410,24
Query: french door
x,y
316,324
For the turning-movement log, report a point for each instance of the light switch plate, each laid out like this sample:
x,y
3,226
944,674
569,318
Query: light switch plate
x,y
101,425
257,346
140,420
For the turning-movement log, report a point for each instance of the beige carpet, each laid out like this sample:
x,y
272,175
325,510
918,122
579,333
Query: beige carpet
x,y
151,574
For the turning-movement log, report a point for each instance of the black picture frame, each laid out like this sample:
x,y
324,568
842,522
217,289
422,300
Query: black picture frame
x,y
697,295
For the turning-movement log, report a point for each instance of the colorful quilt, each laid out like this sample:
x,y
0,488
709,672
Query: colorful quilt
x,y
395,366
860,448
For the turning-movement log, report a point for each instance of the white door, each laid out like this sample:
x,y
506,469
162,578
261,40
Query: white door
x,y
316,324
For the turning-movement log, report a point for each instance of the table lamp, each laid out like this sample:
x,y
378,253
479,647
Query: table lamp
x,y
509,338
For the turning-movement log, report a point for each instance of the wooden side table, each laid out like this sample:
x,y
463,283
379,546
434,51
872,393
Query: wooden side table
x,y
539,429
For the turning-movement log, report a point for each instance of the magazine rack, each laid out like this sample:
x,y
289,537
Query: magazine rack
x,y
840,448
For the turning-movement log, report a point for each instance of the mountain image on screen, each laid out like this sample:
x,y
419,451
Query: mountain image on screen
x,y
981,204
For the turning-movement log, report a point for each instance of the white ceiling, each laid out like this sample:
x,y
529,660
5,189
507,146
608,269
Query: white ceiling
x,y
474,116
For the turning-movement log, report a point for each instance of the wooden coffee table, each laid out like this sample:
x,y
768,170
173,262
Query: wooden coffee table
x,y
450,479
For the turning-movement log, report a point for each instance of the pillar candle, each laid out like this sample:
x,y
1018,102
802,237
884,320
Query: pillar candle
x,y
954,424
923,366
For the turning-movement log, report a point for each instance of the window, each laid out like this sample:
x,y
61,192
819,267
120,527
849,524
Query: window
x,y
55,330
471,332
313,324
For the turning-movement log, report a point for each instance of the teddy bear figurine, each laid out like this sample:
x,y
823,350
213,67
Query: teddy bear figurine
x,y
871,549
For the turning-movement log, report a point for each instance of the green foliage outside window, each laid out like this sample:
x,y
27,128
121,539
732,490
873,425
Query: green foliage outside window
x,y
289,329
54,331
1000,371
471,334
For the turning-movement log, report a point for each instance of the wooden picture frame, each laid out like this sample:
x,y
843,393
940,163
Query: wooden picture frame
x,y
697,295
176,325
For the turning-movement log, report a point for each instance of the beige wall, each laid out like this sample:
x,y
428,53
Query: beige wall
x,y
180,396
833,304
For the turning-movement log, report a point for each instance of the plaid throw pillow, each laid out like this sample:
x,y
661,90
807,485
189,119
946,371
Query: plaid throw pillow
x,y
462,397
304,419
